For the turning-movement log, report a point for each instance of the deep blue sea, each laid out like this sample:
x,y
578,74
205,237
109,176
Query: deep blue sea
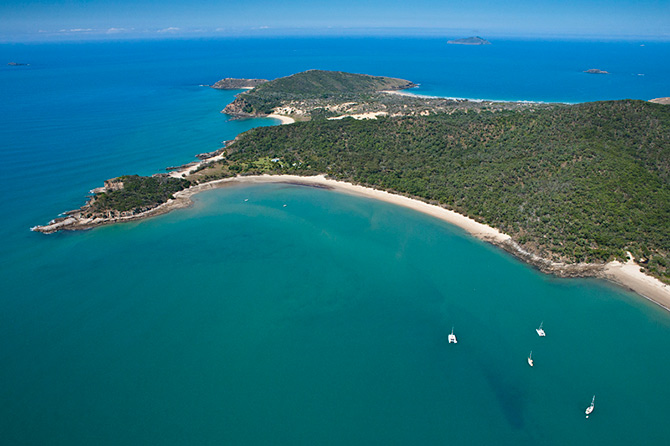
x,y
322,322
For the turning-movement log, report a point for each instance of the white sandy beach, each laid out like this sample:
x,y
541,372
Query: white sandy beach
x,y
407,93
190,168
479,100
627,275
282,118
359,116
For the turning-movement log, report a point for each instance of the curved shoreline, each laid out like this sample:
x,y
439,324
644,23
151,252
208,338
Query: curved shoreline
x,y
283,119
478,100
626,275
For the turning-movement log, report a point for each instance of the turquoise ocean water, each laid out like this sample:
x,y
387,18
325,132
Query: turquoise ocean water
x,y
321,322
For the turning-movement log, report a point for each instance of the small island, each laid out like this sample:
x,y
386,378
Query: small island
x,y
17,64
231,83
476,40
596,71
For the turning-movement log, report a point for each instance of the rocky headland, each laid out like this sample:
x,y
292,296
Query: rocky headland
x,y
125,198
231,83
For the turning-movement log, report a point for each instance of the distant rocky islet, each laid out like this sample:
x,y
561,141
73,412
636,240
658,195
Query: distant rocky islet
x,y
596,71
475,40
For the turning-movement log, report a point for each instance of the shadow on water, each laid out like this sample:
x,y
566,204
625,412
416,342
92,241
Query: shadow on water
x,y
508,393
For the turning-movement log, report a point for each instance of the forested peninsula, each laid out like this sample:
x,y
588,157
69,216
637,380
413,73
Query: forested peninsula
x,y
573,184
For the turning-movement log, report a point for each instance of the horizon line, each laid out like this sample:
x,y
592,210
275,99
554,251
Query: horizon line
x,y
176,33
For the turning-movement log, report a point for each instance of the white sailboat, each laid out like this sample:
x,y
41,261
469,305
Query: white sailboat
x,y
452,337
591,407
540,331
530,359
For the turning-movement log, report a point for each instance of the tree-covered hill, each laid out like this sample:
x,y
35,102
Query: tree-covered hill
x,y
311,84
574,183
319,82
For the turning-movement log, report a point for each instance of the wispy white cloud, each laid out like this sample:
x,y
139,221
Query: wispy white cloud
x,y
76,30
171,29
118,30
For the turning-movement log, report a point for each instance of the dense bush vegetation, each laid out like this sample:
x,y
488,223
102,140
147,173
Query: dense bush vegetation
x,y
139,193
574,183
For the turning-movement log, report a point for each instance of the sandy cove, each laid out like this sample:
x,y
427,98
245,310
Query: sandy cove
x,y
188,169
282,118
479,230
627,275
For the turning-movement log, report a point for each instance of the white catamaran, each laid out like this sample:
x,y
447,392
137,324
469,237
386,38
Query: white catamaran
x,y
591,407
452,337
540,331
530,359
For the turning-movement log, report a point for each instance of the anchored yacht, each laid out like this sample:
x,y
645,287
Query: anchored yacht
x,y
591,407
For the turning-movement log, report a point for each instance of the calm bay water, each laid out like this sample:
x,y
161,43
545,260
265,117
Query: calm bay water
x,y
322,322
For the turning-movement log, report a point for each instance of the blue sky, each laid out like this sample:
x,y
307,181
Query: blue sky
x,y
47,19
